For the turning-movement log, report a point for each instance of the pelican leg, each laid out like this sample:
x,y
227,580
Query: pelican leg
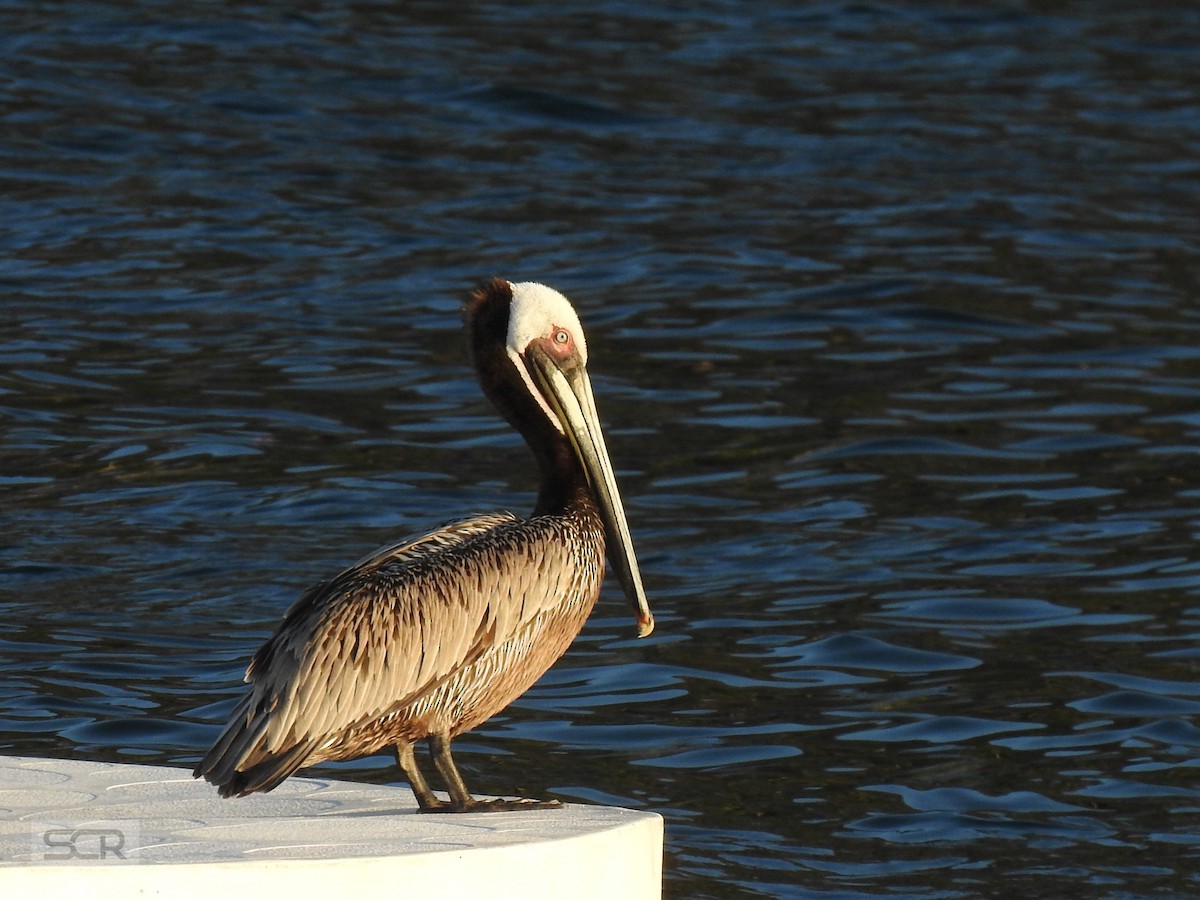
x,y
407,762
460,798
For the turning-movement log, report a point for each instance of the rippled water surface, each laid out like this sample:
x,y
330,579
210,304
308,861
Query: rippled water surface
x,y
894,325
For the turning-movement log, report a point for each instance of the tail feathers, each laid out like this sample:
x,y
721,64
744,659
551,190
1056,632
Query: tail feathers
x,y
265,775
238,764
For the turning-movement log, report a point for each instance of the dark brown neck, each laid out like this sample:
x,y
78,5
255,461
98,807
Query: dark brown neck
x,y
564,486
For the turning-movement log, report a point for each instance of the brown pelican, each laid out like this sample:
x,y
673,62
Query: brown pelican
x,y
429,638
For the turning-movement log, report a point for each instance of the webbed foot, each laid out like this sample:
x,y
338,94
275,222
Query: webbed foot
x,y
498,805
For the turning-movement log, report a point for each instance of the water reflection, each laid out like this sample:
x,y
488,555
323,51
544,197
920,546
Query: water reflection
x,y
892,328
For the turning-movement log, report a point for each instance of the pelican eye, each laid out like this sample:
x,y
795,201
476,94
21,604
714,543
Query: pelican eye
x,y
561,336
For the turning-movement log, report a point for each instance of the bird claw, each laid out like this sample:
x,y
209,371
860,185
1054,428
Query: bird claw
x,y
498,805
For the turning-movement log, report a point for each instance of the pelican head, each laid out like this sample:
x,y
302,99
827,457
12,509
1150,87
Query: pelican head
x,y
544,343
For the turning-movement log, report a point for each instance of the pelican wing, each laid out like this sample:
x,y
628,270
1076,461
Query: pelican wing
x,y
383,634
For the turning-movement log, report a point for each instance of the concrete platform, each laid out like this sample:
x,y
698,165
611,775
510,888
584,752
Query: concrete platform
x,y
103,830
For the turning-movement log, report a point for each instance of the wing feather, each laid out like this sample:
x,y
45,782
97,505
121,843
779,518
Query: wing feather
x,y
384,633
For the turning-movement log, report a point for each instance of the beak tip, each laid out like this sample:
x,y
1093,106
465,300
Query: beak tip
x,y
645,626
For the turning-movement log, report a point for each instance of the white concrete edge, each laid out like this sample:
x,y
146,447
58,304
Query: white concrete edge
x,y
178,839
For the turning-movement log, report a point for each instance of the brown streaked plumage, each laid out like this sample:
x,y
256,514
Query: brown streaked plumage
x,y
431,637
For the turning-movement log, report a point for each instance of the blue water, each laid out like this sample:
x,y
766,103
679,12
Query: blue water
x,y
893,318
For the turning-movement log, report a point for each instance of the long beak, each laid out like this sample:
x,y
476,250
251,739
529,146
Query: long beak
x,y
568,392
